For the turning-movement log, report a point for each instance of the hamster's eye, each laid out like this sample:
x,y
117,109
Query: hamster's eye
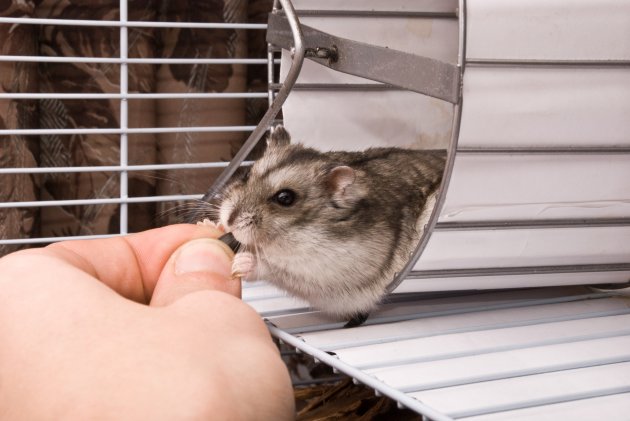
x,y
284,197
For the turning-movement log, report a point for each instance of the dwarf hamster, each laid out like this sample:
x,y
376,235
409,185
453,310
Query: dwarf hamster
x,y
331,228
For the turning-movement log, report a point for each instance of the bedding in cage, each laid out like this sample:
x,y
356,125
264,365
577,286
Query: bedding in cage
x,y
531,99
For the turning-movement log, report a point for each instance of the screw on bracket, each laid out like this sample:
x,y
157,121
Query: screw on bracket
x,y
324,53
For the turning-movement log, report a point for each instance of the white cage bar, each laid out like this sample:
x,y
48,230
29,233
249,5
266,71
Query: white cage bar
x,y
123,61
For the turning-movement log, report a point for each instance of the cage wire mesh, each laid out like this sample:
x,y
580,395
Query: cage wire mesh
x,y
114,116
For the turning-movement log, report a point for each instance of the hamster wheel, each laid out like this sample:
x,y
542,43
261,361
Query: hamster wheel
x,y
532,100
536,191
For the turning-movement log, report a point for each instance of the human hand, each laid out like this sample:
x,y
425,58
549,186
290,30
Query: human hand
x,y
79,339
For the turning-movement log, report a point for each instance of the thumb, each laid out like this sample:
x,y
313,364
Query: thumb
x,y
198,265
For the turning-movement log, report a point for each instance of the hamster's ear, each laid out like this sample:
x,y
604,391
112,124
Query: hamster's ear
x,y
342,182
278,136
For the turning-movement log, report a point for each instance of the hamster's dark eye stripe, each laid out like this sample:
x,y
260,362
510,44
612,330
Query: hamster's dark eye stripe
x,y
284,197
295,157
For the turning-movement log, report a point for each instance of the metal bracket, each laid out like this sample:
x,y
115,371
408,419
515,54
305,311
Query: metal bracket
x,y
299,51
416,73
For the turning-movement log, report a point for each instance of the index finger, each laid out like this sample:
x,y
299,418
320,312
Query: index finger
x,y
130,265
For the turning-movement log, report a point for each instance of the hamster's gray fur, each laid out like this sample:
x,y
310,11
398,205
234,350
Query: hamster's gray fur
x,y
331,228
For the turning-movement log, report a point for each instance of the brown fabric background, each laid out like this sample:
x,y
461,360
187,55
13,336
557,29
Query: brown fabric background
x,y
104,149
18,151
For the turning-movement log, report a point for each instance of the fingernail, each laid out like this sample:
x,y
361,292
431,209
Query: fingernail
x,y
204,255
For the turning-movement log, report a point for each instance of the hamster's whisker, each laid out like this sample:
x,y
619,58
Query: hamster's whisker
x,y
263,253
178,209
257,253
186,211
173,210
204,204
140,175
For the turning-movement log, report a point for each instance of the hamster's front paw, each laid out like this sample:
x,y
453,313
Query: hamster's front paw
x,y
208,223
244,265
357,320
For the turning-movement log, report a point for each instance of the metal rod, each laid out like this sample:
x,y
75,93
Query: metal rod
x,y
115,168
478,328
519,270
124,118
543,401
270,62
102,201
270,75
284,312
449,355
376,14
515,373
531,224
342,87
43,240
361,376
378,319
296,65
535,150
139,130
126,96
112,60
547,63
131,24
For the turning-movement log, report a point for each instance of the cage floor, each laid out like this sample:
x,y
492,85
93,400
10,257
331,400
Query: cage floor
x,y
547,353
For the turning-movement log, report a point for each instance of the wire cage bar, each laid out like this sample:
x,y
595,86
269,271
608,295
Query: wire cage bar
x,y
127,134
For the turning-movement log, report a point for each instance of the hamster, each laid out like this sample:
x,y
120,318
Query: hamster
x,y
332,228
